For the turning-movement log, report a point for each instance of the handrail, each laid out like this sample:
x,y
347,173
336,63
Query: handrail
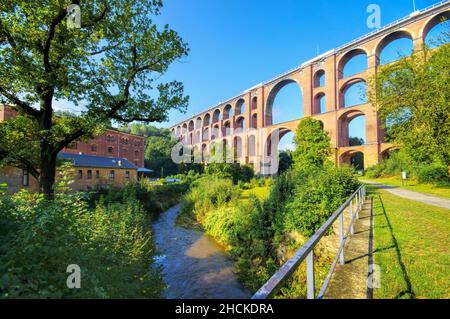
x,y
307,251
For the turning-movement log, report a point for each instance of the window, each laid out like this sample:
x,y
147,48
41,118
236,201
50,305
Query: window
x,y
25,178
112,175
127,175
89,174
124,151
136,153
80,174
136,163
97,174
110,149
94,148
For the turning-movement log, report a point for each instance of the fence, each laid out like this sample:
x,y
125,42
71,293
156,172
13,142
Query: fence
x,y
355,204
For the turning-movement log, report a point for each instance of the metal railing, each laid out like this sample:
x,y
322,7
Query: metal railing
x,y
355,204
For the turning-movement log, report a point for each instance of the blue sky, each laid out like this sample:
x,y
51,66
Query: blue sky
x,y
236,44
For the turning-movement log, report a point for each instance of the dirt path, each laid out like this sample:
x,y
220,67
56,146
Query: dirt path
x,y
418,197
349,281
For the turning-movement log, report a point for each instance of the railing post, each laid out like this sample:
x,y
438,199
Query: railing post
x,y
341,238
310,290
351,217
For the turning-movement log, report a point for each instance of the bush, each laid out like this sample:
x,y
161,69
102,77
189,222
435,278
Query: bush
x,y
315,200
236,172
433,173
111,244
154,198
208,193
375,171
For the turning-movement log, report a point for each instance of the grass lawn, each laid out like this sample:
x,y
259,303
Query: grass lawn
x,y
440,191
412,248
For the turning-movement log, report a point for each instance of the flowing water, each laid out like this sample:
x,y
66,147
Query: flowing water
x,y
194,266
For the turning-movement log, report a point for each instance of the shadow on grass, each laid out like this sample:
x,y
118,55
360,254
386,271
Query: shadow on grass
x,y
409,292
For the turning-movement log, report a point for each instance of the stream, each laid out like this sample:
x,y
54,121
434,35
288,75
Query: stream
x,y
194,266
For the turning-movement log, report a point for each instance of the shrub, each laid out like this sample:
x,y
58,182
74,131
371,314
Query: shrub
x,y
316,200
208,193
433,173
236,171
375,171
111,244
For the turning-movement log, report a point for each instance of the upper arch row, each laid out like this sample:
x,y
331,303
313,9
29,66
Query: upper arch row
x,y
361,52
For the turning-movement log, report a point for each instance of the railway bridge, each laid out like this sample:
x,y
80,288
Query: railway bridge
x,y
246,122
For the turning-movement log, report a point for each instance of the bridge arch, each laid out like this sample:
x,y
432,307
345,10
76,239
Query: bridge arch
x,y
226,128
237,148
240,107
251,145
184,128
319,78
207,120
206,134
198,123
240,125
344,122
178,131
354,158
217,116
295,111
353,92
254,103
319,105
353,62
227,112
191,126
394,46
273,140
434,24
254,121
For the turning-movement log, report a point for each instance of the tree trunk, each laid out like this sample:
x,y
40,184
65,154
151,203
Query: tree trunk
x,y
48,149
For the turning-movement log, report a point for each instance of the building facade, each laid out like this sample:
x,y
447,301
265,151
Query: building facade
x,y
112,158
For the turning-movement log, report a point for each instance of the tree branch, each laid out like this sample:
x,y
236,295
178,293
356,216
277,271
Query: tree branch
x,y
21,104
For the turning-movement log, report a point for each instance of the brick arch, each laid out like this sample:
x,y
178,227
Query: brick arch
x,y
346,158
269,146
191,125
198,123
347,85
432,22
316,77
227,112
238,106
316,103
386,40
347,56
216,116
343,123
207,119
240,124
273,94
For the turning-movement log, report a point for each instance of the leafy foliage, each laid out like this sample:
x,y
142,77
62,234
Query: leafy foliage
x,y
111,244
412,99
312,144
110,64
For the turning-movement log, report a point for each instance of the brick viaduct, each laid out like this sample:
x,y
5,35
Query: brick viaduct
x,y
321,77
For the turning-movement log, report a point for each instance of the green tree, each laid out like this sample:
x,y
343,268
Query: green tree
x,y
312,144
109,64
412,97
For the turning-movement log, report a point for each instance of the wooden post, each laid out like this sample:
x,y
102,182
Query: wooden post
x,y
341,238
310,275
351,217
